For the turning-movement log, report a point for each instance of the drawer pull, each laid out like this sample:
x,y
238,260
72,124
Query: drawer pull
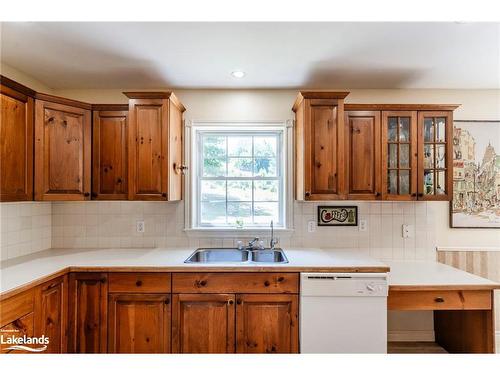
x,y
201,283
267,283
280,279
138,283
439,299
167,301
230,302
238,301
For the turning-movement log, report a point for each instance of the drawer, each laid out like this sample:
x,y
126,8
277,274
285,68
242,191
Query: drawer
x,y
214,282
440,300
16,306
139,282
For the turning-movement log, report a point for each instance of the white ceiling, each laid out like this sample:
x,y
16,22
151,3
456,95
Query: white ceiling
x,y
274,55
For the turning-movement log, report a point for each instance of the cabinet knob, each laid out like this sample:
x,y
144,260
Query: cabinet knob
x,y
439,299
164,195
377,194
167,301
413,194
280,279
267,283
87,194
93,195
420,194
230,302
201,283
138,283
238,301
180,168
307,194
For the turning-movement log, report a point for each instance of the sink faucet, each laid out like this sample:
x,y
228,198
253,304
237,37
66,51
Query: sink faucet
x,y
253,244
273,241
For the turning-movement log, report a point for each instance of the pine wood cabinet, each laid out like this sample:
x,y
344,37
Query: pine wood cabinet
x,y
267,323
51,313
155,146
16,141
362,150
88,307
203,323
319,147
139,323
110,152
17,318
62,149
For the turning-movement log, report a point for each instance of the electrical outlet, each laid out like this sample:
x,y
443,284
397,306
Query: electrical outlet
x,y
139,225
311,226
406,231
363,225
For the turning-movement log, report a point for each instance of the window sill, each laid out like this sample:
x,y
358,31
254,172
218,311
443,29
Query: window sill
x,y
234,232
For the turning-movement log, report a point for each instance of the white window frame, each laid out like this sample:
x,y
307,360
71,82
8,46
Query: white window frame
x,y
192,182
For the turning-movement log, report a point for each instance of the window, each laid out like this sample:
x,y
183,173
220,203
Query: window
x,y
239,178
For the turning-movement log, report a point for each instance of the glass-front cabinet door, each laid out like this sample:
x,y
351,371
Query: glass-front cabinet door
x,y
399,155
434,156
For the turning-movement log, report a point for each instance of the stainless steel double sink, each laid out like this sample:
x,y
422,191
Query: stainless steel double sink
x,y
233,255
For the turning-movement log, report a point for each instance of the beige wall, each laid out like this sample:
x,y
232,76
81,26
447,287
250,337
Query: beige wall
x,y
23,78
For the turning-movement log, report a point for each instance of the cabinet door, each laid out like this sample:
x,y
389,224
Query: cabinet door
x,y
435,161
62,152
51,309
148,138
267,323
399,155
362,135
203,323
110,155
139,323
16,145
87,312
324,151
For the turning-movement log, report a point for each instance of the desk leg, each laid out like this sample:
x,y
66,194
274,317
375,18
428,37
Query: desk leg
x,y
465,331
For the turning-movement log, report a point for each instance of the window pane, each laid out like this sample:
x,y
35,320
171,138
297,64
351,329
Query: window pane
x,y
240,167
239,146
213,190
392,131
441,182
404,155
404,182
265,167
429,182
214,167
392,182
404,129
429,129
239,211
265,212
213,212
239,190
440,156
441,129
265,146
429,156
392,160
266,191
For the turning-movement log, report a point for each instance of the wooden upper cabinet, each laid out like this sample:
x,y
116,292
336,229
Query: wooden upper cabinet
x,y
62,149
399,155
362,151
88,308
51,313
110,152
203,323
319,135
435,155
267,323
139,323
16,141
155,146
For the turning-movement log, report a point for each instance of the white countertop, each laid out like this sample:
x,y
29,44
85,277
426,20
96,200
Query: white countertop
x,y
14,274
432,274
17,273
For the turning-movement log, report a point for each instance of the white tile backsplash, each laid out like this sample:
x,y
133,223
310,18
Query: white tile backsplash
x,y
33,226
26,227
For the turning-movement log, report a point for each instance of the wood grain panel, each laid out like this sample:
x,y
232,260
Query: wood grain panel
x,y
267,323
440,300
18,328
110,155
205,282
175,153
16,306
203,323
139,323
16,145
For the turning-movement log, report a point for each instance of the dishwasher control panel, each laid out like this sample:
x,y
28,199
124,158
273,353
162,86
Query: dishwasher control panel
x,y
344,284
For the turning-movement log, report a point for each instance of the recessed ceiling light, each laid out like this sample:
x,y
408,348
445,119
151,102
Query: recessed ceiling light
x,y
238,74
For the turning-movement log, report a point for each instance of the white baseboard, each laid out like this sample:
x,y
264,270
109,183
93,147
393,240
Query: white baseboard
x,y
398,336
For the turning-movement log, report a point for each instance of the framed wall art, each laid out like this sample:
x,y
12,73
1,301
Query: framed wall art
x,y
476,174
344,216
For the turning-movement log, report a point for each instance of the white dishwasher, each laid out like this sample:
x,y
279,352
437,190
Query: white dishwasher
x,y
343,312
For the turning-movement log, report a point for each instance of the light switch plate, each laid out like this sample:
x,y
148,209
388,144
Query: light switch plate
x,y
406,231
139,225
311,226
363,225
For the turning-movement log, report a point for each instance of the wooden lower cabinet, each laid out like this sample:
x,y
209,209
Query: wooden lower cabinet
x,y
267,323
139,323
51,304
22,326
203,323
88,307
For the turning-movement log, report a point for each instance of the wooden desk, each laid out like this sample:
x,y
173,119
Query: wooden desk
x,y
463,304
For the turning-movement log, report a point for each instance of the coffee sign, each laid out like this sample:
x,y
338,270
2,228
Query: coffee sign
x,y
337,215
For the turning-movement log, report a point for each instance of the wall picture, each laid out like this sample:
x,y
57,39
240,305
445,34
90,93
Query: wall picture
x,y
337,215
476,175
